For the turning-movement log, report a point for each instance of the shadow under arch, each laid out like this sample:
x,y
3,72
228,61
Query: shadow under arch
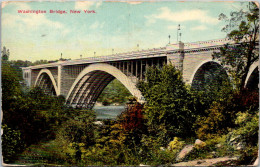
x,y
209,75
91,82
252,79
46,82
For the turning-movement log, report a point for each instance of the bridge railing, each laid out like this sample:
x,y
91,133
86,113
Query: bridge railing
x,y
161,51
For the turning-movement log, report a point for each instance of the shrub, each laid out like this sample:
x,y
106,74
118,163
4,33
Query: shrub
x,y
169,107
215,123
176,145
12,144
248,128
222,113
77,134
129,128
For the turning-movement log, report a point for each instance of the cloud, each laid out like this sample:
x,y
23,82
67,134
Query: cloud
x,y
65,31
150,20
97,25
98,4
201,27
30,21
183,16
134,2
22,5
84,5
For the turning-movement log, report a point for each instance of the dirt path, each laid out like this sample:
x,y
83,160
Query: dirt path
x,y
207,162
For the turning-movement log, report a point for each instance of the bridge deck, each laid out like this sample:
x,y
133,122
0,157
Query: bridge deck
x,y
149,53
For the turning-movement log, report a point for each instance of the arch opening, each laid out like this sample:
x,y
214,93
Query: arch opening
x,y
45,83
114,93
210,77
253,80
92,81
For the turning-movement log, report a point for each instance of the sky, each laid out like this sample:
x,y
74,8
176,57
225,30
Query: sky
x,y
115,27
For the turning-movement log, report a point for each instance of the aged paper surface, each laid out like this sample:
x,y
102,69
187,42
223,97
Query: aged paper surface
x,y
74,49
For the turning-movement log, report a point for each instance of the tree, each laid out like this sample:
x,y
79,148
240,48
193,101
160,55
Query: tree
x,y
169,107
38,62
243,29
11,88
5,54
114,92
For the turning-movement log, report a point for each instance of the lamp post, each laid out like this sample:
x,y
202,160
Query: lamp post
x,y
179,28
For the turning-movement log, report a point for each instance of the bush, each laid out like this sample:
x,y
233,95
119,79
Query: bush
x,y
128,129
176,145
222,113
12,144
169,108
248,128
77,134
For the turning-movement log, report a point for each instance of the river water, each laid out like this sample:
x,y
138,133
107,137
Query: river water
x,y
108,112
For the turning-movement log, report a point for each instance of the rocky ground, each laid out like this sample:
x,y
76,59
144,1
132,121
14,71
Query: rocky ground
x,y
226,161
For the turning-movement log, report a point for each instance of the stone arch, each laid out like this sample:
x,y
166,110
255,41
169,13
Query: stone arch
x,y
91,82
46,81
252,79
208,72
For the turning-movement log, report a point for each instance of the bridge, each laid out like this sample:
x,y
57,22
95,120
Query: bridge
x,y
81,81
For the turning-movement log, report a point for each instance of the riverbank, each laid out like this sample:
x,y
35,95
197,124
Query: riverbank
x,y
108,112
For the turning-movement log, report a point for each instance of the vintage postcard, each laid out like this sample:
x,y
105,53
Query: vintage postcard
x,y
130,83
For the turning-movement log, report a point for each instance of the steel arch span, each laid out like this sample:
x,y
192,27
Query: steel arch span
x,y
46,82
91,82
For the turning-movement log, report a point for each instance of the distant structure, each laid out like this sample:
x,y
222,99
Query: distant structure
x,y
81,81
5,53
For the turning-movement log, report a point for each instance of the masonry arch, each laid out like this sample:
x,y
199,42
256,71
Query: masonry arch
x,y
46,82
208,75
252,79
91,82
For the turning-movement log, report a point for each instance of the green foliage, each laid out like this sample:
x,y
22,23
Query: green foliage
x,y
152,154
44,152
243,28
12,143
176,144
38,62
222,113
115,92
161,157
11,89
248,127
33,114
169,108
248,156
17,64
77,134
216,122
80,128
5,54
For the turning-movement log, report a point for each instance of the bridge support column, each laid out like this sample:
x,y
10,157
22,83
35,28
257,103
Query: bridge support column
x,y
181,56
59,80
141,75
136,68
132,67
177,58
